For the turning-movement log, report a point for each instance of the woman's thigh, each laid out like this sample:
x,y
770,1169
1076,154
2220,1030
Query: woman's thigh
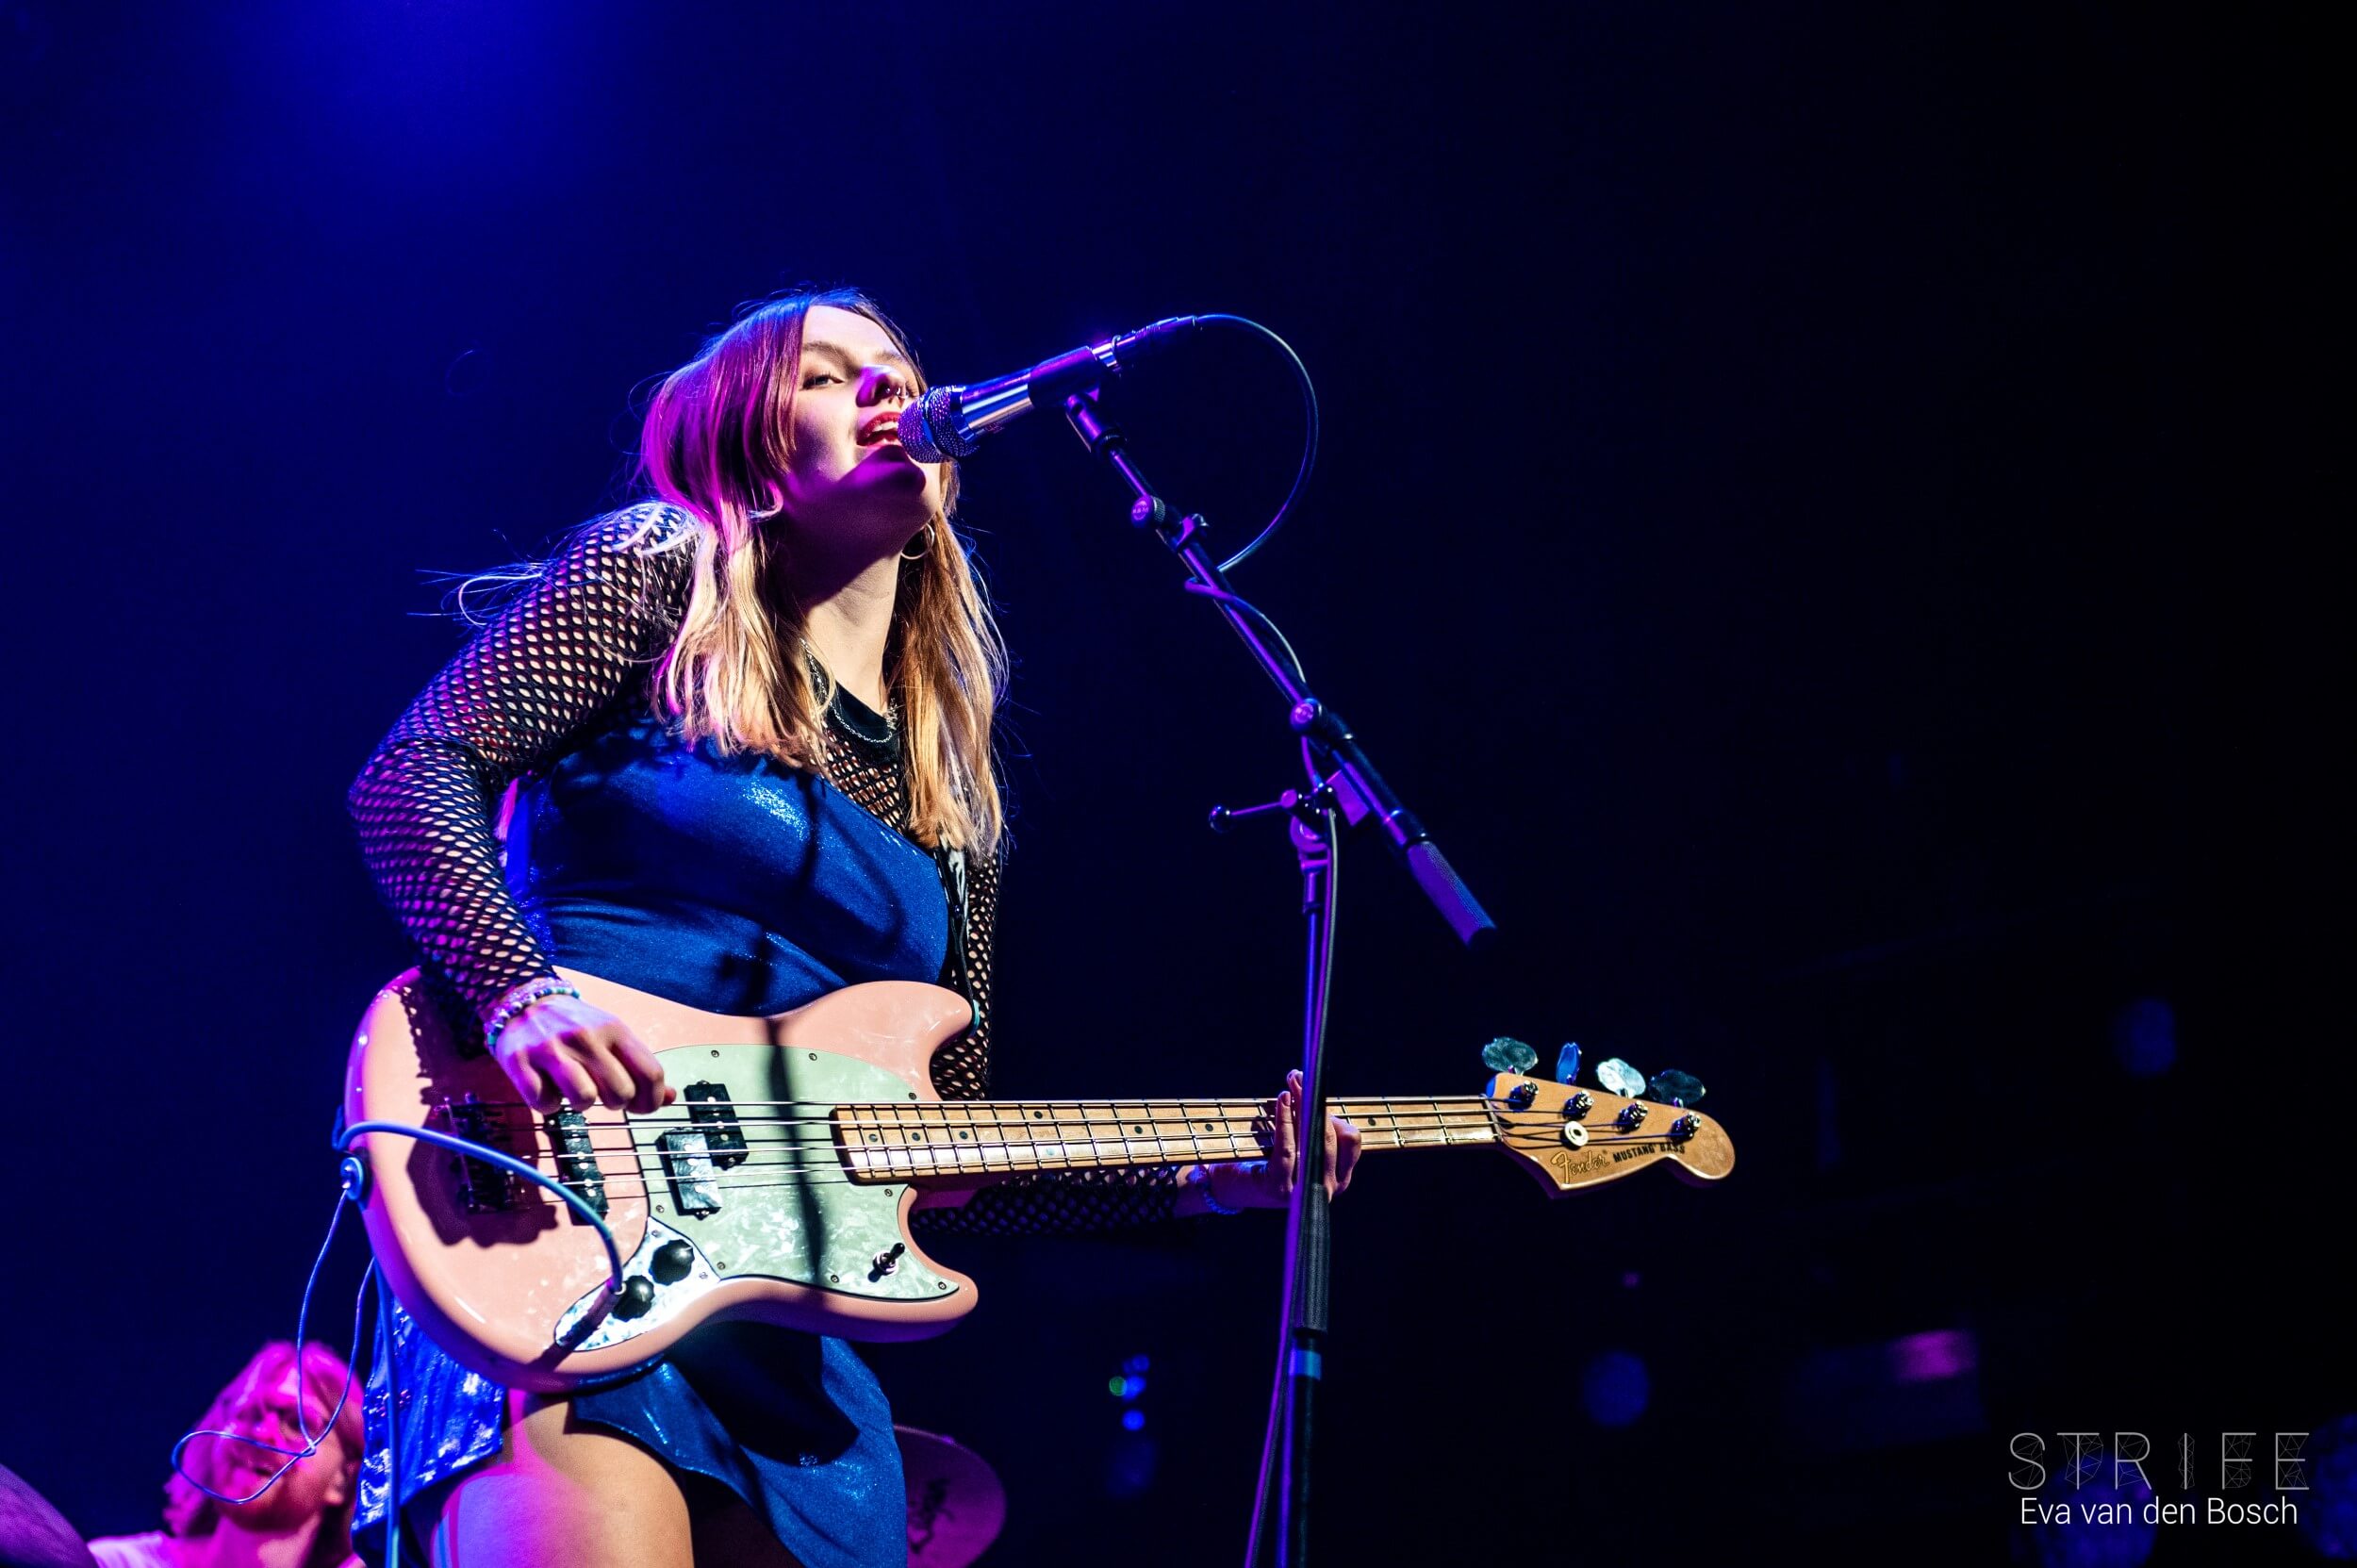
x,y
565,1493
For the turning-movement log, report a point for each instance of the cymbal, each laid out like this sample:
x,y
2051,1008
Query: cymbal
x,y
34,1535
956,1505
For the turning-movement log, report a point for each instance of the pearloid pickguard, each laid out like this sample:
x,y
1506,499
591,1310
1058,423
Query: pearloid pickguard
x,y
789,1211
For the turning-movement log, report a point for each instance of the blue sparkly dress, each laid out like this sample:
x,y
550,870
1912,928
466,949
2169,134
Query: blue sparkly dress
x,y
732,884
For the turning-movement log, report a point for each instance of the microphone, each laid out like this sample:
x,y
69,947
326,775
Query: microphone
x,y
951,422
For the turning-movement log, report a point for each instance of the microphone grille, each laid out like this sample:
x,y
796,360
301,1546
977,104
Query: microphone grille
x,y
928,427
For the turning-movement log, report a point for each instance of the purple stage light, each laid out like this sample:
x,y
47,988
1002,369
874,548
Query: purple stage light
x,y
1919,1388
1929,1358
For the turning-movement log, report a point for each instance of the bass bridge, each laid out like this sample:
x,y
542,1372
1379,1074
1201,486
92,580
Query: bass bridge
x,y
485,1188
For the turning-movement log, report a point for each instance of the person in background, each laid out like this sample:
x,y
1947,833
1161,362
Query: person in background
x,y
304,1518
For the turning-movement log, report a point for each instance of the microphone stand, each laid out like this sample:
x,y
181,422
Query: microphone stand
x,y
1341,782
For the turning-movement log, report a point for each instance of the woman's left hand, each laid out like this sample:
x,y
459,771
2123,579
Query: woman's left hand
x,y
1269,1184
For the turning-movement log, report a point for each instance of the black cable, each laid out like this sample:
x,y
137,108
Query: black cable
x,y
1223,596
1308,440
302,1425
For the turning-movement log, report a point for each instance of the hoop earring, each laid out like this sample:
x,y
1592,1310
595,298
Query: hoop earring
x,y
921,551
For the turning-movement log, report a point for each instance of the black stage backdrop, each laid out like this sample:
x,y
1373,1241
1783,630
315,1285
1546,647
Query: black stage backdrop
x,y
1820,511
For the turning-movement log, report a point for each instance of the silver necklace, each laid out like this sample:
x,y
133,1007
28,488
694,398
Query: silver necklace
x,y
834,709
891,720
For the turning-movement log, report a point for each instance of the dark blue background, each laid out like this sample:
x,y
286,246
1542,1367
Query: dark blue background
x,y
1817,511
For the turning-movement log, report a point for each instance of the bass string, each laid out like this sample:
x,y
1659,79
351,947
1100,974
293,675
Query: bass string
x,y
863,1118
881,1162
1094,1135
1012,1111
822,1132
1437,1101
1086,1135
883,1168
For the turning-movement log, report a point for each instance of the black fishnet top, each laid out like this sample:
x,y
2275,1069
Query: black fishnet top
x,y
572,651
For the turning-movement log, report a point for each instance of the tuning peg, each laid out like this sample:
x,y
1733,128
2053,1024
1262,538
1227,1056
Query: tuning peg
x,y
1674,1089
1619,1077
1505,1055
1567,1062
1522,1094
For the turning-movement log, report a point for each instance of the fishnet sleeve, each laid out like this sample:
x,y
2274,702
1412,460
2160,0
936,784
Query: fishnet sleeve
x,y
962,1067
1052,1200
574,641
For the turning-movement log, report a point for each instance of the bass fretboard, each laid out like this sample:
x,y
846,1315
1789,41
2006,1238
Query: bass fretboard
x,y
986,1136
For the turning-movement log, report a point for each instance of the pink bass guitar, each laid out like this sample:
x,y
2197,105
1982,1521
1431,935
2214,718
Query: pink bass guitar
x,y
779,1186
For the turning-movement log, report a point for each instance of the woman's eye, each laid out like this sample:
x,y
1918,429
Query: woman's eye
x,y
816,376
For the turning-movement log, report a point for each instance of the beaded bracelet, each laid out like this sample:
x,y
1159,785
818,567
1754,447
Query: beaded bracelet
x,y
1210,1199
518,1002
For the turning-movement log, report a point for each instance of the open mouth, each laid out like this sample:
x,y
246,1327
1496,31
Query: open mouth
x,y
883,427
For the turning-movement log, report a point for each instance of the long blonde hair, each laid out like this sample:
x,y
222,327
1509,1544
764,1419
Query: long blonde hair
x,y
716,445
325,1383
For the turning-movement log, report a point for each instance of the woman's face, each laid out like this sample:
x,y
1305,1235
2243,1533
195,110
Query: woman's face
x,y
851,490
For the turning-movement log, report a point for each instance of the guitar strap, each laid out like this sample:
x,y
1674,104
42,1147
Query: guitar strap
x,y
952,861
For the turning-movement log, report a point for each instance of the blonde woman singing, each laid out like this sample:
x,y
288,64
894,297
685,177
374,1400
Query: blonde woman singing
x,y
748,721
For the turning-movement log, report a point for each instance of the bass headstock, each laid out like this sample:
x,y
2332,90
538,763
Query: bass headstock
x,y
1570,1137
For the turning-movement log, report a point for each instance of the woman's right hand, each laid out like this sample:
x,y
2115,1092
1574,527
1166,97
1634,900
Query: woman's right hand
x,y
564,1051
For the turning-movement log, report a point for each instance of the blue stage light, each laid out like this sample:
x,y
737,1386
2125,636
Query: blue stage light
x,y
2144,1037
2099,1525
1130,1463
2328,1512
1614,1388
